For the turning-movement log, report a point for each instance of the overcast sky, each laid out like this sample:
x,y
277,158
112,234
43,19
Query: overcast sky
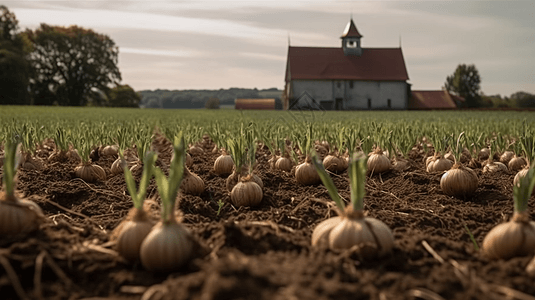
x,y
221,44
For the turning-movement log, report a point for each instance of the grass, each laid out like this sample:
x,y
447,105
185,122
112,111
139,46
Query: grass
x,y
100,125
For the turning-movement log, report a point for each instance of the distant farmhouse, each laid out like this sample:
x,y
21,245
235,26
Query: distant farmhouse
x,y
351,77
434,100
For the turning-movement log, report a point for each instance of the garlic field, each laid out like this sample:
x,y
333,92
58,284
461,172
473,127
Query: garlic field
x,y
261,202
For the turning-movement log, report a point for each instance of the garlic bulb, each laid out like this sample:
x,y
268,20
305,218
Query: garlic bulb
x,y
321,150
516,237
284,164
429,159
511,239
191,183
484,154
326,145
189,160
90,173
223,165
331,162
372,237
131,233
29,163
58,156
234,178
522,173
166,248
438,164
306,174
273,161
344,163
377,162
246,193
450,156
195,150
136,167
352,229
517,163
506,157
110,150
494,166
18,216
459,181
116,167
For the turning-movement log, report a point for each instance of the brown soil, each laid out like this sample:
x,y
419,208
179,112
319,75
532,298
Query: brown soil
x,y
265,252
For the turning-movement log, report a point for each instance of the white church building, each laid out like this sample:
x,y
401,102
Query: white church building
x,y
346,78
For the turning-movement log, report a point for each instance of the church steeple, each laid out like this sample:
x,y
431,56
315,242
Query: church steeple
x,y
351,40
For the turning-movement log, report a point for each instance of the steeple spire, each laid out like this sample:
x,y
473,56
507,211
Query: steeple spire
x,y
351,39
351,30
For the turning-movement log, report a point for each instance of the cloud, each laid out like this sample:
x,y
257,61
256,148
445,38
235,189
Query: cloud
x,y
155,52
109,19
223,43
264,56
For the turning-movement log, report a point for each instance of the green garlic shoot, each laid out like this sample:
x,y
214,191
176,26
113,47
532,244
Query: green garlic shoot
x,y
61,140
12,159
357,181
168,186
522,191
138,196
327,181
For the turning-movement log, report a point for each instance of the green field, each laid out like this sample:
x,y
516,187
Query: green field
x,y
100,126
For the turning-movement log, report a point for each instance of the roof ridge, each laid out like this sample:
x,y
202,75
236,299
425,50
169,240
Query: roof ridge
x,y
330,62
369,48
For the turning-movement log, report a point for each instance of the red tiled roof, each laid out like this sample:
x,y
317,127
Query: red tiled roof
x,y
351,30
433,100
378,64
254,103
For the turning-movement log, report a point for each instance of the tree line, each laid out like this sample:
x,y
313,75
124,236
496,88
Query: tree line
x,y
465,82
204,98
54,65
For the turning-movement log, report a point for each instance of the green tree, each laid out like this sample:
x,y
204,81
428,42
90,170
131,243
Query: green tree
x,y
14,68
523,99
465,82
71,64
212,103
123,96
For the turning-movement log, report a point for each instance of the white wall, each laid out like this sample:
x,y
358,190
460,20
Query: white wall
x,y
356,97
318,89
379,92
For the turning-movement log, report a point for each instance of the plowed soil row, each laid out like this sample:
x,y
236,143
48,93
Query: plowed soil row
x,y
264,252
